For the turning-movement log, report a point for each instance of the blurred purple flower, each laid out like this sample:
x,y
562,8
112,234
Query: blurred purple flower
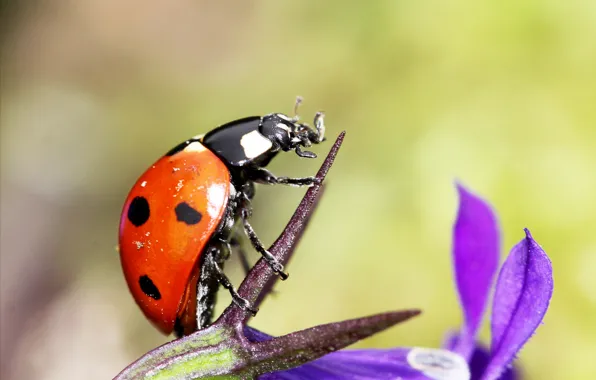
x,y
522,295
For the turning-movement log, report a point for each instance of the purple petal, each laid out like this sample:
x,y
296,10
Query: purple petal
x,y
450,340
476,258
479,362
394,363
352,364
255,335
479,359
522,295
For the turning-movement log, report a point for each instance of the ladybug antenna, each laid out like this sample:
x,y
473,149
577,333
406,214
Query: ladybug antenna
x,y
299,100
319,123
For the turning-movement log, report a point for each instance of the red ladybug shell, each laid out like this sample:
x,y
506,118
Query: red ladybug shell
x,y
168,218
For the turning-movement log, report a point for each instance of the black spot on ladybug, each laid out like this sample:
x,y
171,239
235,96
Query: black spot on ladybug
x,y
187,214
149,288
138,211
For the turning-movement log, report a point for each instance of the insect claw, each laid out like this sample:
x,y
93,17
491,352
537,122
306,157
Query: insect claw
x,y
305,153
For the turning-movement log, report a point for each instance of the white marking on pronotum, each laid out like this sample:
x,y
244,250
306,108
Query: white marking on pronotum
x,y
439,364
255,144
284,117
283,126
195,146
216,196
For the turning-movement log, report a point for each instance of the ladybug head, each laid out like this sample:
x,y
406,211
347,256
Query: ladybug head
x,y
287,133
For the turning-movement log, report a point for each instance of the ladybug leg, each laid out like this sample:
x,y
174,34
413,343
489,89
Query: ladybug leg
x,y
237,247
207,287
234,244
304,153
225,248
275,265
263,175
212,262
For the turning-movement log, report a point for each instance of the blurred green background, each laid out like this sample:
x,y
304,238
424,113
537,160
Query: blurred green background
x,y
500,95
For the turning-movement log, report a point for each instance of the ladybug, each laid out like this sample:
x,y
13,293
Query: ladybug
x,y
183,214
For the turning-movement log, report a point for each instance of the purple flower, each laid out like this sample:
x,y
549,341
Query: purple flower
x,y
521,297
